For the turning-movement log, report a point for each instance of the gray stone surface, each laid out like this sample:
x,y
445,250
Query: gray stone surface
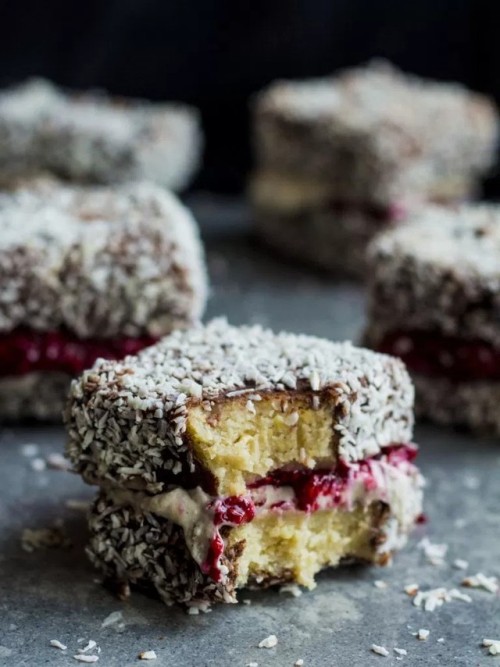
x,y
55,594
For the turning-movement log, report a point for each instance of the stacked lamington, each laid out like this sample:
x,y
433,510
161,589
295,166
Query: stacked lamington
x,y
339,159
88,273
229,457
435,302
92,138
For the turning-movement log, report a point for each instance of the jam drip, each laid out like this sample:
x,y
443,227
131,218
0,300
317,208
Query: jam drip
x,y
26,350
308,486
433,354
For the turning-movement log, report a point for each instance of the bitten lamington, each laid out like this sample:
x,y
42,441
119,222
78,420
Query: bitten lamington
x,y
92,138
435,302
231,457
88,273
339,159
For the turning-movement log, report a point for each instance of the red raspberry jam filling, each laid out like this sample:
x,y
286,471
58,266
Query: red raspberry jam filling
x,y
26,350
434,355
306,491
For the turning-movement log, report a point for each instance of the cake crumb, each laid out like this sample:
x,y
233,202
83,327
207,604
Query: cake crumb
x,y
481,580
78,505
411,589
379,650
44,538
269,642
423,634
57,644
460,564
147,655
378,583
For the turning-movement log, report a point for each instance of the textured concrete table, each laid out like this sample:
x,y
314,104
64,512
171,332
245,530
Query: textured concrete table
x,y
54,594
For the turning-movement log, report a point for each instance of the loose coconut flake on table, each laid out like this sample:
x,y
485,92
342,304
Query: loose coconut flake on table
x,y
269,642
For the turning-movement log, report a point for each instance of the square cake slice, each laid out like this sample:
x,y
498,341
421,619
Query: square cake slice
x,y
91,137
342,157
88,272
435,302
232,456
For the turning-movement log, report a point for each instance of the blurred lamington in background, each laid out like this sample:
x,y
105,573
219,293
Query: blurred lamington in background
x,y
338,159
93,138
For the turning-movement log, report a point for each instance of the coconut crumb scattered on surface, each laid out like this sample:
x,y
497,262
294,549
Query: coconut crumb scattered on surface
x,y
493,646
269,642
89,647
83,657
379,650
441,640
411,589
400,651
30,449
247,601
378,583
38,465
460,564
436,597
56,461
291,589
77,505
252,664
298,663
147,655
57,644
423,634
434,553
112,619
33,539
481,580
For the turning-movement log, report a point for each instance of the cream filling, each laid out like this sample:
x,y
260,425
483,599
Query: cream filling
x,y
286,194
187,509
400,486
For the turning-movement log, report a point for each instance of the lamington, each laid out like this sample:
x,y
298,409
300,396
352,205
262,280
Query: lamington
x,y
435,302
88,272
231,457
338,159
96,139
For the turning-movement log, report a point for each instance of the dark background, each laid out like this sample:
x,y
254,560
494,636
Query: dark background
x,y
215,54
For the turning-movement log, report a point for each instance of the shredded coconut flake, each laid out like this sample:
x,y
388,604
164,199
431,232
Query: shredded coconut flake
x,y
57,644
379,650
481,580
147,655
460,564
112,619
434,553
269,642
423,634
380,584
82,657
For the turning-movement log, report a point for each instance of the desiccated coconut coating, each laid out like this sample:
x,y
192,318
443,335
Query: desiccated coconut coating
x,y
127,420
374,132
93,138
145,550
472,405
100,261
441,272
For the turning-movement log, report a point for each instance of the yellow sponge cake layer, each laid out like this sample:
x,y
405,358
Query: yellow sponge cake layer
x,y
240,439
